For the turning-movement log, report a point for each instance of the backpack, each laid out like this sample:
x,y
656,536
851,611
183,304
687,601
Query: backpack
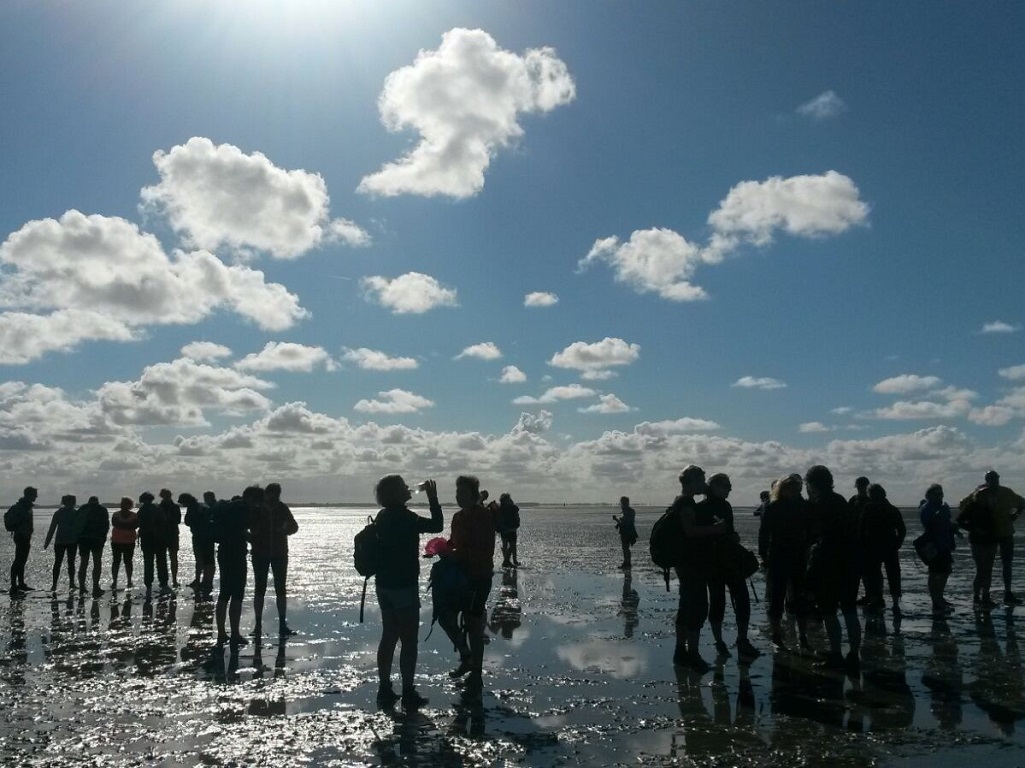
x,y
450,589
366,555
666,542
11,519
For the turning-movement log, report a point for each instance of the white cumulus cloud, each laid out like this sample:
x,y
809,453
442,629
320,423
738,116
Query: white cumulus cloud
x,y
607,404
555,394
287,356
486,350
411,293
512,375
394,401
540,299
905,383
823,106
375,360
1014,373
651,261
675,427
758,382
810,427
595,359
465,100
218,196
205,351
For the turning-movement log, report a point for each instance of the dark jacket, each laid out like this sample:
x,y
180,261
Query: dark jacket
x,y
784,532
172,519
95,522
398,531
152,525
272,524
22,511
938,526
882,527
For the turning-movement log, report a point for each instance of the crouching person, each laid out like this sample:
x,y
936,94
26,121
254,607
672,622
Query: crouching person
x,y
473,547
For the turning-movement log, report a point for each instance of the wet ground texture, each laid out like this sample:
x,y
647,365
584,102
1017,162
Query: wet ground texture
x,y
578,670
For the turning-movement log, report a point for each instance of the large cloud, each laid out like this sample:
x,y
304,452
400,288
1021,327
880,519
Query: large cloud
x,y
594,360
411,293
464,99
106,279
217,196
652,261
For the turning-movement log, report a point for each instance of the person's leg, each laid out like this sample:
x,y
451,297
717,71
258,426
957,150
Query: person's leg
x,y
234,618
84,548
873,578
1006,560
279,567
717,612
515,547
149,554
58,561
129,556
741,608
197,556
97,555
260,567
116,554
408,621
172,554
161,557
386,651
989,554
892,563
220,614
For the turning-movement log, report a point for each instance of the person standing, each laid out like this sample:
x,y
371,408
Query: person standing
x,y
509,526
1004,507
693,569
18,520
397,582
95,521
939,529
858,502
272,524
64,527
197,520
720,578
124,524
882,534
172,519
153,538
783,540
625,524
473,547
835,568
232,521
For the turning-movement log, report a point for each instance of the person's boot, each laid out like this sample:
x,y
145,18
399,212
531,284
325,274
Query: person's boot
x,y
1010,598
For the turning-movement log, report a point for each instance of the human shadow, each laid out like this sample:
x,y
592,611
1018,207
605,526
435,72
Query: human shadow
x,y
507,613
628,606
943,676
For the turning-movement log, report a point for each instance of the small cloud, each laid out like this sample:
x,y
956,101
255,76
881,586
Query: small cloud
x,y
992,415
375,360
675,427
905,383
555,394
764,382
540,299
394,401
998,326
1014,373
823,106
287,356
812,426
594,360
608,404
486,350
842,410
411,293
205,351
512,375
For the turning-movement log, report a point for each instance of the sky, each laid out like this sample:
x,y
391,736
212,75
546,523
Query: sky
x,y
569,247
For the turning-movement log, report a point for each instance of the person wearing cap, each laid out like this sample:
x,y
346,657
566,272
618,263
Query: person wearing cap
x,y
1003,507
20,526
834,570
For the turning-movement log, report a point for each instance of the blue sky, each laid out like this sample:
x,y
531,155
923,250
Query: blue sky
x,y
568,246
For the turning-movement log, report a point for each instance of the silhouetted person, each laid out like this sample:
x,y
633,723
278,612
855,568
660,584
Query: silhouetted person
x,y
397,583
882,534
939,529
783,540
627,528
272,524
978,519
124,526
1005,505
207,545
92,539
172,519
473,547
233,520
21,533
64,526
720,579
835,572
197,520
153,538
508,526
763,501
858,502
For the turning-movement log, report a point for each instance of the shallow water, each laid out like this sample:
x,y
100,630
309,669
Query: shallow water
x,y
578,671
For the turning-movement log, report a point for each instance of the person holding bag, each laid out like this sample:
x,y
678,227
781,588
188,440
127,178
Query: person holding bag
x,y
938,534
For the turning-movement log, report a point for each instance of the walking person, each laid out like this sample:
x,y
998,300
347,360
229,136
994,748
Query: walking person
x,y
627,529
233,520
509,526
835,568
397,583
172,519
473,547
783,540
63,532
272,524
124,525
18,520
92,538
153,539
724,576
882,534
938,529
1004,507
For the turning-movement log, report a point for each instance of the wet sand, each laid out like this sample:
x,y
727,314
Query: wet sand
x,y
577,671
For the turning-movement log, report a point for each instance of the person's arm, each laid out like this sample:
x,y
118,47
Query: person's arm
x,y
436,522
106,522
764,533
902,529
49,533
692,529
291,526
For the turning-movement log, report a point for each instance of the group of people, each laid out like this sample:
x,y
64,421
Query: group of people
x,y
470,551
817,551
224,534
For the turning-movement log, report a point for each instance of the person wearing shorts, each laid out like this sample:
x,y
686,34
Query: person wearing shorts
x,y
397,583
273,523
